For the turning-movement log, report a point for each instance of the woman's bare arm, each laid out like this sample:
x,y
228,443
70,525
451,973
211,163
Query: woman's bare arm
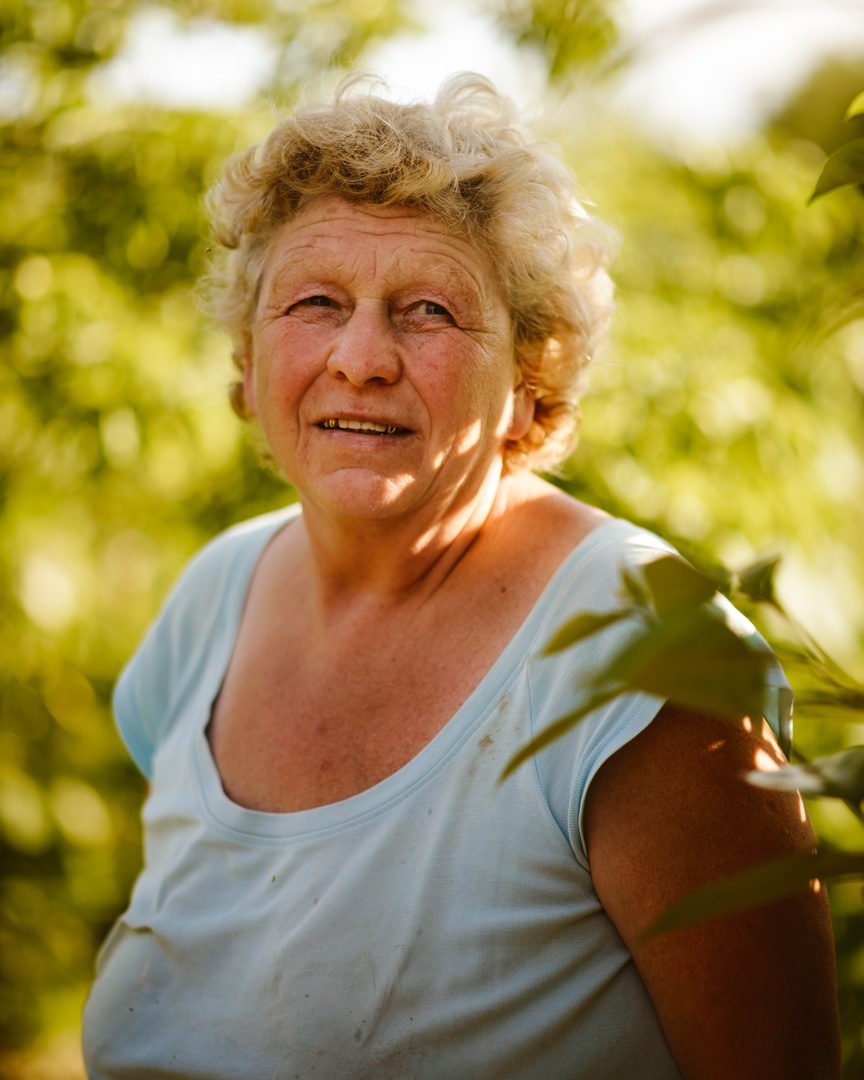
x,y
753,995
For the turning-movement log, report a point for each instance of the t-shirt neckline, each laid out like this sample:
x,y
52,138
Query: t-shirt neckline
x,y
260,826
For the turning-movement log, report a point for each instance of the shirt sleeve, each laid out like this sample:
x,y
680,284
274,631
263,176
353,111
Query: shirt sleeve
x,y
151,684
140,696
567,767
194,630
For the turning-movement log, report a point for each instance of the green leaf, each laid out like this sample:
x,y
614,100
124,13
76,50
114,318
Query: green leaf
x,y
758,885
845,166
837,776
847,700
634,588
856,108
573,36
757,581
677,586
580,627
696,660
558,728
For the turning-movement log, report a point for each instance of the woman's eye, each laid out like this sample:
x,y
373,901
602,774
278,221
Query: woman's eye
x,y
429,307
308,302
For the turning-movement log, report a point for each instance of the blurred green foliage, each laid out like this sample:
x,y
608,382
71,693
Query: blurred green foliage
x,y
727,415
571,35
817,111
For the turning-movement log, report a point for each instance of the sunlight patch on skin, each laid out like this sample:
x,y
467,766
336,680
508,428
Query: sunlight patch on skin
x,y
469,438
747,725
719,744
394,487
802,813
764,761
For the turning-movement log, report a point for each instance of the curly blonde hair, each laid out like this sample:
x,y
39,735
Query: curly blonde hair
x,y
464,161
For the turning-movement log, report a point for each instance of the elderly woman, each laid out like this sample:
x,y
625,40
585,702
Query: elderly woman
x,y
336,884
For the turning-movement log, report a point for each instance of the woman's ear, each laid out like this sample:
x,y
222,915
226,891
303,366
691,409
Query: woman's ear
x,y
523,412
249,380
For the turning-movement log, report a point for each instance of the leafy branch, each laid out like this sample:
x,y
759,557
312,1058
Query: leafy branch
x,y
846,165
683,649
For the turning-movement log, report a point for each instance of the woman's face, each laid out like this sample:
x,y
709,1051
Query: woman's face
x,y
381,363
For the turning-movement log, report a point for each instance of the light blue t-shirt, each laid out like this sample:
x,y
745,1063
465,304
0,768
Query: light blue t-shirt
x,y
438,926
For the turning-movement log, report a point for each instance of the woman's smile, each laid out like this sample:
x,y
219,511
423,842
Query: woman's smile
x,y
364,427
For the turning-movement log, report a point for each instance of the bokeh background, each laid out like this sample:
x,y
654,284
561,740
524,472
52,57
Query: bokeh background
x,y
728,413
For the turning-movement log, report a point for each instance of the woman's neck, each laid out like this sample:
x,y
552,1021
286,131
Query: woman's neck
x,y
392,561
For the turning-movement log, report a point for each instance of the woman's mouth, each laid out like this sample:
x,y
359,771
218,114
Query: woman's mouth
x,y
366,427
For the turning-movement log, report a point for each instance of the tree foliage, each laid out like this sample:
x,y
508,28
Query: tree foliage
x,y
846,164
727,415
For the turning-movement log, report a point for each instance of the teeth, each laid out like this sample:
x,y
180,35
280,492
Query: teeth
x,y
360,425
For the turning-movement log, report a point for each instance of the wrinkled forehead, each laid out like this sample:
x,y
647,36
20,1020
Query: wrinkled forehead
x,y
334,213
330,229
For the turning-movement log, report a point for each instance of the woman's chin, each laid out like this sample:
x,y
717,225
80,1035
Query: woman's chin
x,y
364,494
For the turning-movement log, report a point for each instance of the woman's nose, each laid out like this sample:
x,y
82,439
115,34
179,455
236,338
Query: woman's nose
x,y
365,349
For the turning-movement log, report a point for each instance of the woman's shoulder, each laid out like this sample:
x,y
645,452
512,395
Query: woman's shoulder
x,y
220,570
590,548
196,618
542,509
549,510
248,537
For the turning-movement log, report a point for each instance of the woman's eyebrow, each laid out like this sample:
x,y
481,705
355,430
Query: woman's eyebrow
x,y
293,272
441,272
